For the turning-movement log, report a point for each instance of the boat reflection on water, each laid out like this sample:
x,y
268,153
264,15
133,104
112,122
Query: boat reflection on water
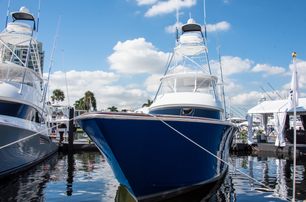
x,y
216,192
86,176
273,172
28,186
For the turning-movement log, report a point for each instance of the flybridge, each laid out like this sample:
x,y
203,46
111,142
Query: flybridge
x,y
17,44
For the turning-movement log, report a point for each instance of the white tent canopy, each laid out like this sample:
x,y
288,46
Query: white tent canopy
x,y
279,109
277,106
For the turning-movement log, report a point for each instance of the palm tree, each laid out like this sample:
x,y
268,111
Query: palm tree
x,y
90,101
113,109
87,102
148,104
58,95
80,104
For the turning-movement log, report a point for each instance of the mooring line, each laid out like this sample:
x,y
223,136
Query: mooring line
x,y
30,136
178,132
201,147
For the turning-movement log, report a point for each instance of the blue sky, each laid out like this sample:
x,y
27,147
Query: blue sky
x,y
118,48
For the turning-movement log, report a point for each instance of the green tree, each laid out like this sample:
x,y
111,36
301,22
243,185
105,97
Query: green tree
x,y
79,104
113,109
87,102
58,95
148,104
90,101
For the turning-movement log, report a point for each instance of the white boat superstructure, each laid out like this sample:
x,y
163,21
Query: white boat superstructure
x,y
21,96
188,81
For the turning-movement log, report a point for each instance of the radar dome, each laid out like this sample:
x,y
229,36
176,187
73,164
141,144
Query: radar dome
x,y
191,21
24,9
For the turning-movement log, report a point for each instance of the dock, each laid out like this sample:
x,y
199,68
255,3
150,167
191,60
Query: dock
x,y
78,145
269,148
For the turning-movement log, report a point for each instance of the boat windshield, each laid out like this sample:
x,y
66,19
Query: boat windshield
x,y
21,75
187,83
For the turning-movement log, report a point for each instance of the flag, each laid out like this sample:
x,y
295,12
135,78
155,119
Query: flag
x,y
294,87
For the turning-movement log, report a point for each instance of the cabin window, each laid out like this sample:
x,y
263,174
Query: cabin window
x,y
185,84
203,85
168,86
19,110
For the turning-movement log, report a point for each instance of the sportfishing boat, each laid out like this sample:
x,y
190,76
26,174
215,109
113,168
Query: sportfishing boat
x,y
182,142
24,135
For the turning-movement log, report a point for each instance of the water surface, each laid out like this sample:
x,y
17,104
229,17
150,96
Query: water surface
x,y
86,176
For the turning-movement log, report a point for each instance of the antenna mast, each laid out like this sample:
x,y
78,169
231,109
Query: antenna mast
x,y
204,12
7,12
223,94
177,21
274,90
51,62
38,14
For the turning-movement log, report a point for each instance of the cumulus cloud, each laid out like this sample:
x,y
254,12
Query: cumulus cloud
x,y
172,28
246,99
169,6
102,84
220,26
152,82
268,69
231,65
137,56
145,2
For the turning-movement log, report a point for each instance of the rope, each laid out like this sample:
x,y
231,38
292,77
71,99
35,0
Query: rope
x,y
30,136
178,132
201,147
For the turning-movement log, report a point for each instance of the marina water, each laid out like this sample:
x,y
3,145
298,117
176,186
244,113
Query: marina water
x,y
86,176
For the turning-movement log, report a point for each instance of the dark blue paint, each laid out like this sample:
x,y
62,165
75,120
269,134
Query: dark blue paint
x,y
148,157
20,110
196,112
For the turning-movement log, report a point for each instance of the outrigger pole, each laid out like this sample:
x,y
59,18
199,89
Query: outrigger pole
x,y
7,12
38,14
294,97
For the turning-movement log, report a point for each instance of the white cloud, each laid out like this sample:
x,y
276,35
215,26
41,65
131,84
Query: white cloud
x,y
220,26
268,69
169,6
152,83
102,84
172,28
137,56
145,2
246,99
231,65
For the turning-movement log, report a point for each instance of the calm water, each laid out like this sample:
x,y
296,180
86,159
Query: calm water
x,y
87,177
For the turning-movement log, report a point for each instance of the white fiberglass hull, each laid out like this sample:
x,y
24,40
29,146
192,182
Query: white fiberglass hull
x,y
25,153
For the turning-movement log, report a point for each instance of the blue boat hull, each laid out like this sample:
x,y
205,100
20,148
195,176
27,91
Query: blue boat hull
x,y
150,158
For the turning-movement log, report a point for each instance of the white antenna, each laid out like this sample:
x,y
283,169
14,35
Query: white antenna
x,y
177,21
38,14
66,82
204,13
223,93
7,12
294,100
67,89
51,62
